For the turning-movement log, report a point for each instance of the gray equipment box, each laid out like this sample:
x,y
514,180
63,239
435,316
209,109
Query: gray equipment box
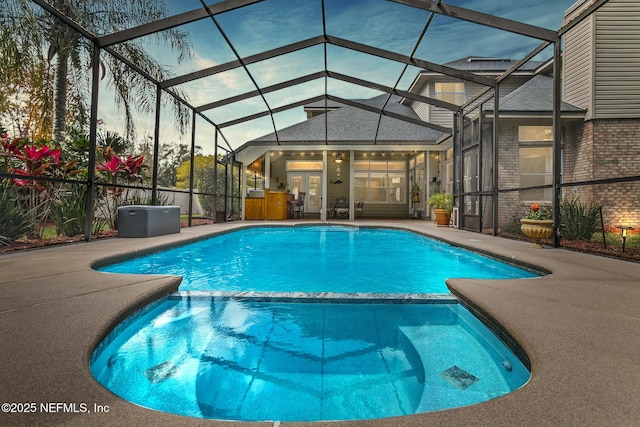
x,y
148,221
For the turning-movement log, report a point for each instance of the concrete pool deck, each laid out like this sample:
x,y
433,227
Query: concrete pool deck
x,y
580,327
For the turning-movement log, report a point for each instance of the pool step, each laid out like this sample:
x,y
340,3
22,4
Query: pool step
x,y
444,381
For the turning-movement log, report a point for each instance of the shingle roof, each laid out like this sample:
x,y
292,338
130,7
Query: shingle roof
x,y
536,95
355,125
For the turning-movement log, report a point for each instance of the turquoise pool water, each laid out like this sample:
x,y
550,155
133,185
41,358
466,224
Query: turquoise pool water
x,y
274,357
319,259
258,361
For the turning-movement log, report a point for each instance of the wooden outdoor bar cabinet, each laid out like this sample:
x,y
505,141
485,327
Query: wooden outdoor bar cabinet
x,y
265,204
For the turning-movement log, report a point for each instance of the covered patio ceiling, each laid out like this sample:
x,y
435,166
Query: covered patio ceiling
x,y
255,63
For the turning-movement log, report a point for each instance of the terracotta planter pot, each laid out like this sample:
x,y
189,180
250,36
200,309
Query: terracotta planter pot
x,y
536,229
442,217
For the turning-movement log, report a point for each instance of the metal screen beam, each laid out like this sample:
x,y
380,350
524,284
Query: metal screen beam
x,y
483,19
404,59
303,44
557,141
388,113
244,65
270,112
351,103
247,95
337,76
172,22
90,195
394,91
404,69
542,46
67,21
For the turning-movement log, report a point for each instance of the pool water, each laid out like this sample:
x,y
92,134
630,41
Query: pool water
x,y
319,259
256,361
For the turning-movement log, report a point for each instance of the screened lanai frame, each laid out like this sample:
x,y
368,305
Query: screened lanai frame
x,y
210,12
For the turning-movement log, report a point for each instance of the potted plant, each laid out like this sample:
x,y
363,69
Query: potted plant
x,y
442,205
537,224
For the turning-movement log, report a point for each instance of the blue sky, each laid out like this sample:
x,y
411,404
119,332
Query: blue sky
x,y
379,23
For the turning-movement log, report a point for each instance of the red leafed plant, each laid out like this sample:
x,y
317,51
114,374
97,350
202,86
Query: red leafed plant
x,y
28,160
120,169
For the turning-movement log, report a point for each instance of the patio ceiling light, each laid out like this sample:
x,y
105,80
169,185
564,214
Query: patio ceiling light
x,y
338,158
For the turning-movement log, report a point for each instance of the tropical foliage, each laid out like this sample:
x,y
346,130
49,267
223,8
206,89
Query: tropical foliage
x,y
15,221
170,159
45,80
441,200
46,65
579,220
204,180
37,168
121,171
68,211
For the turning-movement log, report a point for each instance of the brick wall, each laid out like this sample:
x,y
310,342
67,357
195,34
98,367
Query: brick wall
x,y
616,153
509,174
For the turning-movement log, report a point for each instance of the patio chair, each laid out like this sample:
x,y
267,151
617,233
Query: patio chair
x,y
341,207
359,209
298,207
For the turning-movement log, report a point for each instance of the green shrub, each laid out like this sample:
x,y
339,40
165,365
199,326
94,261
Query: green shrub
x,y
441,200
512,226
145,199
68,211
15,221
579,221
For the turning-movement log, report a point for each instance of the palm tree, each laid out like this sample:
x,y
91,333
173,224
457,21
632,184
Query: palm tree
x,y
33,31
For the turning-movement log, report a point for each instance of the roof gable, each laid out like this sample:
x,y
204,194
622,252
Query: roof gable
x,y
355,125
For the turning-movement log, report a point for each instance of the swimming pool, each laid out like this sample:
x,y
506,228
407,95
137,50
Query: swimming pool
x,y
301,348
319,259
258,361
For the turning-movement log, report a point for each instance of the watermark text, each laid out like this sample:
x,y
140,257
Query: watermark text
x,y
53,408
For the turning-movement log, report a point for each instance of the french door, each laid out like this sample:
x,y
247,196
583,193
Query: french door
x,y
310,183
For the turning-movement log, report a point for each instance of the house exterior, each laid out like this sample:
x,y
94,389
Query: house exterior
x,y
382,158
525,137
601,74
600,135
382,168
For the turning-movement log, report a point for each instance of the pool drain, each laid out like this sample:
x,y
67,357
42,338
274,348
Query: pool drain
x,y
459,377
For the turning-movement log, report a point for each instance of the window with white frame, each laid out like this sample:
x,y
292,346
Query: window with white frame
x,y
380,181
450,92
535,133
536,168
448,171
304,165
